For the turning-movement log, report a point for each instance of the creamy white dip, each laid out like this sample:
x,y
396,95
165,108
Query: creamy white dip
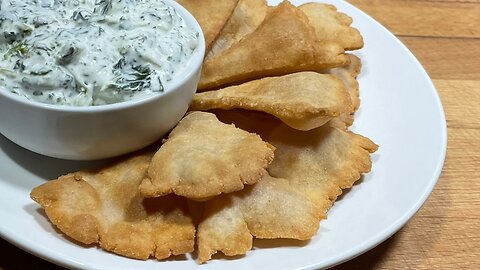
x,y
91,52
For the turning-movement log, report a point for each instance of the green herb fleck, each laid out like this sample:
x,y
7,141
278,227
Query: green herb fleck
x,y
134,78
102,7
19,50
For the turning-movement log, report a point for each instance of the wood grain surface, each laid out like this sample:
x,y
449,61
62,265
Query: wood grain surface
x,y
445,233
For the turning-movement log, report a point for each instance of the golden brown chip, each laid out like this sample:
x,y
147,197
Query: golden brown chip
x,y
303,100
246,17
284,43
204,157
348,74
104,207
343,121
331,25
211,15
310,168
272,208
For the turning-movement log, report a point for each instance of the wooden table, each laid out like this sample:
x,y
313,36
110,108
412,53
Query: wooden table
x,y
445,234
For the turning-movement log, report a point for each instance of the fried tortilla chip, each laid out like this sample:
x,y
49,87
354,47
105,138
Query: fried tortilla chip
x,y
331,25
303,100
246,17
211,15
105,207
343,121
348,74
283,43
272,208
204,157
310,168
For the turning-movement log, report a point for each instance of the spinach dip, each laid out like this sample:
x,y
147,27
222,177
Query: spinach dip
x,y
91,52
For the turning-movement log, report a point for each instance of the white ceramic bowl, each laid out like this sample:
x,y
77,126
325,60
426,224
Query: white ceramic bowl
x,y
96,132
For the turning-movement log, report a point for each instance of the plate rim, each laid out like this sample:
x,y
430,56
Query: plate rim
x,y
389,231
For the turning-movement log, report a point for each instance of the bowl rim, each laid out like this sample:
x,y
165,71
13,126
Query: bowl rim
x,y
195,62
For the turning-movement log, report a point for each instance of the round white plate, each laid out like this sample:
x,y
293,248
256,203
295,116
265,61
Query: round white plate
x,y
400,111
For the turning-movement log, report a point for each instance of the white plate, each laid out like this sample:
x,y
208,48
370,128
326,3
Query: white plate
x,y
400,111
